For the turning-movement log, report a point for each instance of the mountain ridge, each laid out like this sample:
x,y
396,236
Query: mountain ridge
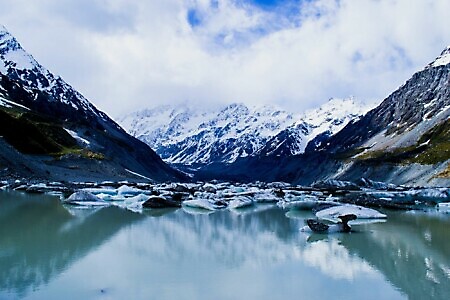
x,y
184,136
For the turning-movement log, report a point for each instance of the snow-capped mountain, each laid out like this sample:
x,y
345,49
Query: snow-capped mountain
x,y
185,136
20,66
315,125
42,114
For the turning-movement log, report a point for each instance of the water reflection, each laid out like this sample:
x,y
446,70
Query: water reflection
x,y
412,250
47,250
39,238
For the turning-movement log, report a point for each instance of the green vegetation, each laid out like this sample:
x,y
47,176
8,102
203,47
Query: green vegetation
x,y
433,147
30,137
438,145
80,152
31,133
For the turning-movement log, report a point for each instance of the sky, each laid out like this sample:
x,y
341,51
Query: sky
x,y
125,55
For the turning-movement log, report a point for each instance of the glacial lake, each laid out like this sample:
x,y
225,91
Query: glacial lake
x,y
52,251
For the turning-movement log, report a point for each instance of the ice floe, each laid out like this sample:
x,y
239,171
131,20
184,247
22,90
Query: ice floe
x,y
200,203
332,213
240,202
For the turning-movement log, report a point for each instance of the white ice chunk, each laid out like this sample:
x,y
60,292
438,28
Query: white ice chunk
x,y
83,196
306,202
127,190
333,213
240,202
199,203
196,210
265,197
96,191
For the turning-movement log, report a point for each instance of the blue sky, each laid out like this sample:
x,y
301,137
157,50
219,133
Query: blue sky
x,y
125,55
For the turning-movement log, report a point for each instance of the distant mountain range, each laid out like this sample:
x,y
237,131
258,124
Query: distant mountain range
x,y
189,136
50,131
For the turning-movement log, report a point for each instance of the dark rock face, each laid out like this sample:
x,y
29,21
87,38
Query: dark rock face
x,y
425,95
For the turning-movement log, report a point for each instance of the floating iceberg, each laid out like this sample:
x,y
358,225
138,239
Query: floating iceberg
x,y
200,203
304,202
196,210
265,197
240,202
95,191
83,198
333,213
130,191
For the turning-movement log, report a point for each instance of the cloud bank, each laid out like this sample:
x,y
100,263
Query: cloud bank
x,y
124,55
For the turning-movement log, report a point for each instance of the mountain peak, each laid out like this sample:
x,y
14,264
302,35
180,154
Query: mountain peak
x,y
441,60
21,67
3,29
7,41
12,55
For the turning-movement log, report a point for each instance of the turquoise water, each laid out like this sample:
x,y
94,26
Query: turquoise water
x,y
49,251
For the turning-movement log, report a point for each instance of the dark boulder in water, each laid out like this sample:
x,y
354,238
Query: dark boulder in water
x,y
160,202
342,226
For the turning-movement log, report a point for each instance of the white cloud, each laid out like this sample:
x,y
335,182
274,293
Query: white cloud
x,y
128,54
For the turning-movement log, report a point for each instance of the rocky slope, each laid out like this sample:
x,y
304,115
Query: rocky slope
x,y
50,131
409,132
186,136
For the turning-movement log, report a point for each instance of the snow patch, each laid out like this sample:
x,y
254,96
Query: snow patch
x,y
138,175
77,137
21,60
7,103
